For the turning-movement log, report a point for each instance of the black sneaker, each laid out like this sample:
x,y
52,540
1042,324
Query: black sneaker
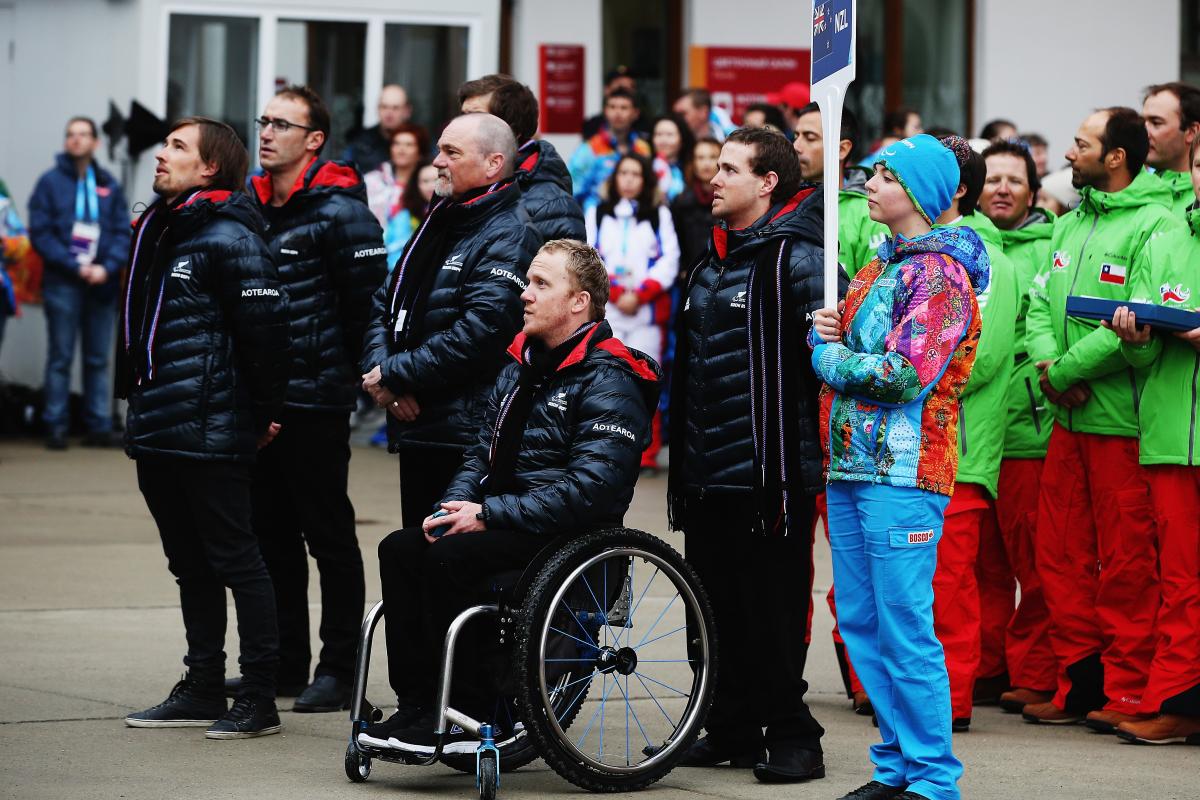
x,y
377,735
874,790
56,440
189,705
325,693
420,739
249,716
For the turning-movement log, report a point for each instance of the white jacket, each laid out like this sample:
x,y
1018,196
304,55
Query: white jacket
x,y
638,258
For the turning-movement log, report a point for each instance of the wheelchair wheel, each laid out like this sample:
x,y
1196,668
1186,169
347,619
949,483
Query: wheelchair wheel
x,y
358,766
628,616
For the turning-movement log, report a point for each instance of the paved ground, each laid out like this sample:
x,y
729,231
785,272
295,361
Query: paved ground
x,y
90,629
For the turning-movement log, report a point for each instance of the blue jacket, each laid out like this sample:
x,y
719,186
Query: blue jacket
x,y
52,215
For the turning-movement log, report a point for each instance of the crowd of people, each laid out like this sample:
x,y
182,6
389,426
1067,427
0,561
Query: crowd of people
x,y
1010,491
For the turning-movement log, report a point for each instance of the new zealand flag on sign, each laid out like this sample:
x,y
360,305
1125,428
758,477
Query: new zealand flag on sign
x,y
833,35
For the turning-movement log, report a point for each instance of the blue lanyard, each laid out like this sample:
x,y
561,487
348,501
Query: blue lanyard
x,y
93,201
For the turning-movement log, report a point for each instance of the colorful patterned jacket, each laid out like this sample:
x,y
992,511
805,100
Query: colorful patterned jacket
x,y
889,406
595,159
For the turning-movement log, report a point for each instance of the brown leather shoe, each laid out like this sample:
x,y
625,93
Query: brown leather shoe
x,y
1103,721
1163,729
1049,714
1014,701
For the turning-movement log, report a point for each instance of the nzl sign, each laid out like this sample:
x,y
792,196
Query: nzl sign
x,y
833,41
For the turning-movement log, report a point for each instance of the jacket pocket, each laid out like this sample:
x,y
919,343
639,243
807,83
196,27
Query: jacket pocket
x,y
909,564
1033,406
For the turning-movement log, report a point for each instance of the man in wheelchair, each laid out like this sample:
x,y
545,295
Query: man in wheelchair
x,y
559,453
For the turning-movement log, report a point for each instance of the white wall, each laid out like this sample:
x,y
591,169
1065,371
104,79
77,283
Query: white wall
x,y
747,23
1047,65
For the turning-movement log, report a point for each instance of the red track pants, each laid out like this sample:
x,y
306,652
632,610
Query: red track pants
x,y
1096,556
1174,685
1015,641
970,513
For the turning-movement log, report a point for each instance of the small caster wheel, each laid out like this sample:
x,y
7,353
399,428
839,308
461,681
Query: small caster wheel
x,y
358,766
488,777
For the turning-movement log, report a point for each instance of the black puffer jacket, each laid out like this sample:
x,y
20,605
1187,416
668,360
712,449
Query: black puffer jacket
x,y
546,193
329,250
582,446
718,451
471,315
202,351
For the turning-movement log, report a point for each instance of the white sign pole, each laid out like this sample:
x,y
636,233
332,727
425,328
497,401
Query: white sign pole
x,y
833,68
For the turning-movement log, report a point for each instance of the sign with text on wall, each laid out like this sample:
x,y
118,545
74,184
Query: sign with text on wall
x,y
561,88
738,77
831,72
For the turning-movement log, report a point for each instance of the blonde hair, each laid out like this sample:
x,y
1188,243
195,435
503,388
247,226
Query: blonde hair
x,y
586,270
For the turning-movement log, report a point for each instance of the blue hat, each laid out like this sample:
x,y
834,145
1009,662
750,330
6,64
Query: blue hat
x,y
926,170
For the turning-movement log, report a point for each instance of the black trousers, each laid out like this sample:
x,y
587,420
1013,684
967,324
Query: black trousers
x,y
300,497
425,472
760,590
425,586
202,509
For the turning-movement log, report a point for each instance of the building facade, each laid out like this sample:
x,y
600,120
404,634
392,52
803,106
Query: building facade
x,y
960,62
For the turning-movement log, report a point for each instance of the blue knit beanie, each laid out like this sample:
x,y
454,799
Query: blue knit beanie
x,y
926,170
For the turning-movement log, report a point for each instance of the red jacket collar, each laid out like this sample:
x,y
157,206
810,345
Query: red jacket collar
x,y
327,173
610,345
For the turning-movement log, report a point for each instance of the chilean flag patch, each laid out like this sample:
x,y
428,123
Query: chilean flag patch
x,y
1112,273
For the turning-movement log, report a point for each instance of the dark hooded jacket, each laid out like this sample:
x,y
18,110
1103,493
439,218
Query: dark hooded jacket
x,y
202,351
581,448
718,446
329,249
546,193
471,313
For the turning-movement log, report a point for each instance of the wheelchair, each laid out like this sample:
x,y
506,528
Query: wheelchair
x,y
609,660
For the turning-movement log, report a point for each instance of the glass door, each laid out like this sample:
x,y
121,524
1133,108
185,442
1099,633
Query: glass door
x,y
328,57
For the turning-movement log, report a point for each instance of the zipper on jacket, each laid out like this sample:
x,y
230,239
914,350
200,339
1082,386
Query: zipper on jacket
x,y
1192,429
962,428
1137,401
1070,291
706,314
1033,406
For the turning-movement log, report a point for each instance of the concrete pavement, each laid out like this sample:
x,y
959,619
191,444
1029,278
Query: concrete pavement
x,y
90,629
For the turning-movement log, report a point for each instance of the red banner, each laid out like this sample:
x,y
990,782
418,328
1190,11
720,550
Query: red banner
x,y
740,76
561,97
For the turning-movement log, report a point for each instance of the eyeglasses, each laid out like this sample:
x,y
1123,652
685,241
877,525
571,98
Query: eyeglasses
x,y
280,125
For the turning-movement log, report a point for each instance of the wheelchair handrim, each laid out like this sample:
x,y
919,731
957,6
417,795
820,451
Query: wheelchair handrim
x,y
700,680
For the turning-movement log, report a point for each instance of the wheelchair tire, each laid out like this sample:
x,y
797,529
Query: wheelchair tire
x,y
488,777
582,569
358,766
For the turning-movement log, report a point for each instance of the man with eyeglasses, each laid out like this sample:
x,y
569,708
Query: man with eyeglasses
x,y
330,254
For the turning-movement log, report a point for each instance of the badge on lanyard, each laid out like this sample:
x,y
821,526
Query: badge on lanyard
x,y
85,233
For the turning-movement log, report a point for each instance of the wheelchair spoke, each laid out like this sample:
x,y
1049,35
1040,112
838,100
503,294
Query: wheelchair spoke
x,y
601,611
630,709
573,638
650,692
638,604
663,635
660,683
660,616
566,709
570,660
627,720
575,617
592,720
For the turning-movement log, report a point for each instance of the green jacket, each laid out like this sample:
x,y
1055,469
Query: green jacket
x,y
1029,417
981,408
1168,274
859,236
1092,252
1182,192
